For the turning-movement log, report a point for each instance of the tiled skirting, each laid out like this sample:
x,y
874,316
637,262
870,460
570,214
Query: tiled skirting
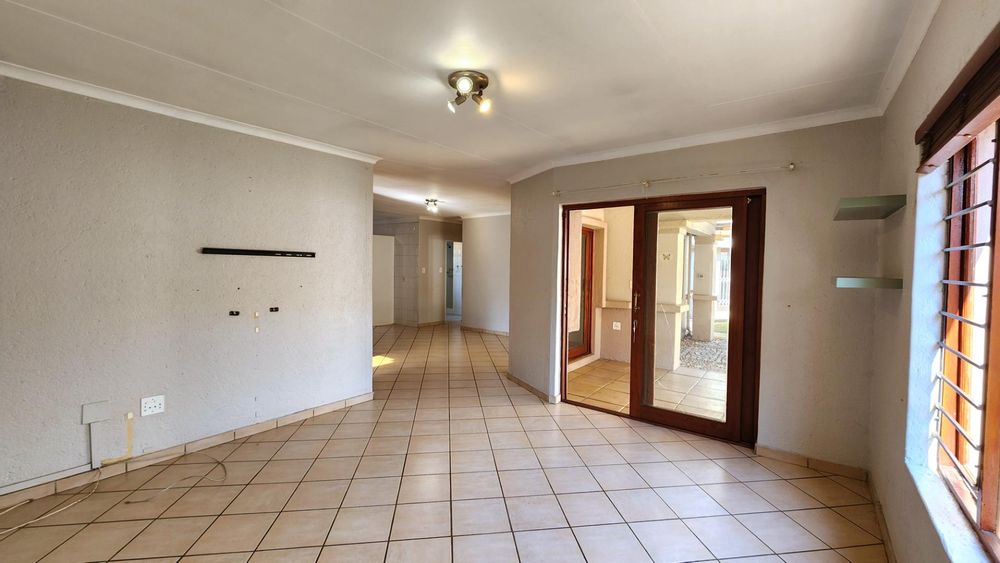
x,y
484,331
151,458
818,464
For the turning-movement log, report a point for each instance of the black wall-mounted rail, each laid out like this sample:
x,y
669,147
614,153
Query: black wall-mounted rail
x,y
251,252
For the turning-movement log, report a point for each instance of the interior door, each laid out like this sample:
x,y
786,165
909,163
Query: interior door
x,y
697,266
580,337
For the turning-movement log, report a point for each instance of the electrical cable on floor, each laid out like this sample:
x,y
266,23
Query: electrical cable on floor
x,y
225,474
50,513
96,483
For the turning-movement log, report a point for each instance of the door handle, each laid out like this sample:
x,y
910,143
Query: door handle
x,y
635,325
635,301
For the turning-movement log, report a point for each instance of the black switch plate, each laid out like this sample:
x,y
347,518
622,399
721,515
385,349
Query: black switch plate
x,y
274,309
234,313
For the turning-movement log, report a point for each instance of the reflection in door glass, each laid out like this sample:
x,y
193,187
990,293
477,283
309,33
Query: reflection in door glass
x,y
693,249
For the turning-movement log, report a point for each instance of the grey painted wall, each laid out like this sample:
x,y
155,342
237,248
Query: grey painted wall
x,y
817,349
486,276
103,294
921,515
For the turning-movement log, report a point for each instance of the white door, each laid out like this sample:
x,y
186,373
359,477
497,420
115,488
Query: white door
x,y
457,280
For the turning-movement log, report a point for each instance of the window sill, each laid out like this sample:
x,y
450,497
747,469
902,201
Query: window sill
x,y
958,537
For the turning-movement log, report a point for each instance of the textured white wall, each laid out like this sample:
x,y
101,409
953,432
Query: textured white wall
x,y
817,350
383,279
907,322
104,295
486,279
619,241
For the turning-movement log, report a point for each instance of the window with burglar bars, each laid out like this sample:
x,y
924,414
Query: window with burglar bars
x,y
965,457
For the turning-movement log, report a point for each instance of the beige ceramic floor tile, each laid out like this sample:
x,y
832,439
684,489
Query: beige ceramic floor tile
x,y
548,546
535,512
297,555
299,529
96,542
725,537
360,553
421,520
262,498
571,480
479,516
636,505
527,482
203,501
669,541
614,542
484,484
829,492
232,533
779,532
167,537
371,492
509,460
362,524
867,554
436,550
318,494
487,548
587,509
380,466
832,528
783,495
283,471
473,461
690,502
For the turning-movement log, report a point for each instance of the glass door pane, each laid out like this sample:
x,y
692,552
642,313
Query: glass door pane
x,y
690,335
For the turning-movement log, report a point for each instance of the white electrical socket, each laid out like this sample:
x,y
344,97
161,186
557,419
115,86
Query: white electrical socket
x,y
616,325
152,405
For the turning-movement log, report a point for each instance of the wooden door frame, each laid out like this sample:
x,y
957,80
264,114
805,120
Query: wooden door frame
x,y
586,295
752,307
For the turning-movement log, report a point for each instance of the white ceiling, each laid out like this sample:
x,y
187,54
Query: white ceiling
x,y
571,80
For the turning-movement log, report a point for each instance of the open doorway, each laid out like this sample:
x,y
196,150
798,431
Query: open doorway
x,y
453,281
599,289
673,288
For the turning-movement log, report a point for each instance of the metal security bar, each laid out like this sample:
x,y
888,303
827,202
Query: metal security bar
x,y
959,410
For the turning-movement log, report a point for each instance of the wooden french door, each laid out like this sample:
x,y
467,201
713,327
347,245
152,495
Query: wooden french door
x,y
580,339
695,357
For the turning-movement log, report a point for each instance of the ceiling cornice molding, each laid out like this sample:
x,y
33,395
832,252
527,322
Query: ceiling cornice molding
x,y
782,126
913,35
453,220
485,215
109,95
397,220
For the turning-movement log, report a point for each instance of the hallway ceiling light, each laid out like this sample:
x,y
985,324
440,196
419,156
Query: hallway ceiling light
x,y
432,205
469,84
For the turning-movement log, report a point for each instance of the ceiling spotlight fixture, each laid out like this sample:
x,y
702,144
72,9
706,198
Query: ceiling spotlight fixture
x,y
469,84
432,205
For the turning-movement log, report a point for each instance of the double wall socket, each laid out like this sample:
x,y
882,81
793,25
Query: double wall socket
x,y
152,405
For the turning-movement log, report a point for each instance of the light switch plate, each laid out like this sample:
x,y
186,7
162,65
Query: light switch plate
x,y
616,325
152,405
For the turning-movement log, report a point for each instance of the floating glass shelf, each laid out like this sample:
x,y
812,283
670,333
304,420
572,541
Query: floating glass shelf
x,y
845,282
869,207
